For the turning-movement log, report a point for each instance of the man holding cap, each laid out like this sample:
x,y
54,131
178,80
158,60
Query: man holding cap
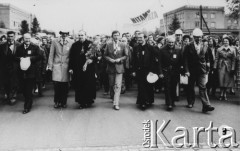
x,y
27,54
143,64
196,67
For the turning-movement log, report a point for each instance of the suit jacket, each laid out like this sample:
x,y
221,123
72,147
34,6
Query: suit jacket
x,y
146,60
33,51
112,54
4,60
59,58
196,63
170,61
212,55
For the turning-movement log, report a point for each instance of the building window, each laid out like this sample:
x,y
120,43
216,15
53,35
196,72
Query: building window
x,y
197,15
204,15
197,24
213,25
212,15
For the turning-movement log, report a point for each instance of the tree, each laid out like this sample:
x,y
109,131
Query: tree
x,y
175,24
24,27
35,26
233,7
2,25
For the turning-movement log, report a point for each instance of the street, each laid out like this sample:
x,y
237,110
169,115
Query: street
x,y
101,126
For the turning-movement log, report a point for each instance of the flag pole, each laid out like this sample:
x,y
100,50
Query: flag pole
x,y
164,26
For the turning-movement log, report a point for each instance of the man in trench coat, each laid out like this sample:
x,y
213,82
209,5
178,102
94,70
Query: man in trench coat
x,y
58,63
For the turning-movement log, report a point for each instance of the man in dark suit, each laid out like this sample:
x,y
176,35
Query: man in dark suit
x,y
143,64
27,77
115,54
169,66
8,69
196,67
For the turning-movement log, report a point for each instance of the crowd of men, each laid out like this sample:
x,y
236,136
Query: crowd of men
x,y
115,62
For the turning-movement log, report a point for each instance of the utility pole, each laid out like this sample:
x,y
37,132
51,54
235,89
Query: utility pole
x,y
200,16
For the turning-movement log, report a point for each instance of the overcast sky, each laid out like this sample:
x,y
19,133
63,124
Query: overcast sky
x,y
98,16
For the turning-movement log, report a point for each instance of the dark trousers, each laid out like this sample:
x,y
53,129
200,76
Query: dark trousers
x,y
145,89
10,85
128,78
60,92
28,86
170,87
201,80
104,80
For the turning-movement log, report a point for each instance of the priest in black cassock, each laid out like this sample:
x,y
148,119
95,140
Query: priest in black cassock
x,y
81,66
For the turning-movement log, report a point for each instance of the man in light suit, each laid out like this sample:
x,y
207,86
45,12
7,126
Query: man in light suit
x,y
58,64
8,69
115,54
196,67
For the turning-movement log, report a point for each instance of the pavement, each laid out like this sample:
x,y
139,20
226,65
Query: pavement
x,y
102,128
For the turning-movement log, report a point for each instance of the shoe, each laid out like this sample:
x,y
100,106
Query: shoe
x,y
189,106
64,106
220,98
225,98
12,101
207,108
143,106
44,86
56,105
80,106
25,111
169,108
116,107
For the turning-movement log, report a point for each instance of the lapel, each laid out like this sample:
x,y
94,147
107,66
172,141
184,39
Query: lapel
x,y
193,49
6,48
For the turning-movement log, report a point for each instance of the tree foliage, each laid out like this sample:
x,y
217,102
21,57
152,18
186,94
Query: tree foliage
x,y
175,24
35,26
24,27
233,7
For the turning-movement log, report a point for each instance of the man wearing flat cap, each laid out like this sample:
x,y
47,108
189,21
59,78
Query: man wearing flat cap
x,y
58,63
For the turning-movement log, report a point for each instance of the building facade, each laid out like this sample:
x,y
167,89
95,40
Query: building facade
x,y
11,17
216,20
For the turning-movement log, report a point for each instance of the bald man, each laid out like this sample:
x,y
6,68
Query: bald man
x,y
27,77
169,69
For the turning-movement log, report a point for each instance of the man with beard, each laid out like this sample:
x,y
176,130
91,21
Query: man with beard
x,y
143,64
8,69
169,60
196,67
82,69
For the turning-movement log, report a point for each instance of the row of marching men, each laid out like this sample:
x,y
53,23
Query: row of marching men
x,y
78,59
